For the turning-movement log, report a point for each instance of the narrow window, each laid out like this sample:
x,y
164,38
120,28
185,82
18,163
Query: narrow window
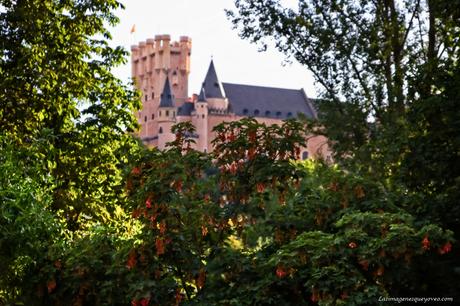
x,y
146,97
304,155
153,116
160,113
167,113
202,116
145,119
161,130
153,95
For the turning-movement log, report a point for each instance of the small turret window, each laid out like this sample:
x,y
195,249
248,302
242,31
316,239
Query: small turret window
x,y
160,131
304,155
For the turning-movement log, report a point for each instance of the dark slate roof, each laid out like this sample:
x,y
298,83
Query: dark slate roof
x,y
167,98
186,109
211,83
258,101
202,96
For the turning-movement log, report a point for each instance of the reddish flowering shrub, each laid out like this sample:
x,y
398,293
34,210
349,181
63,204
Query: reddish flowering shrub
x,y
214,227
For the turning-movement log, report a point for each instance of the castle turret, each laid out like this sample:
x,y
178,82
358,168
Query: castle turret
x,y
214,91
200,121
166,116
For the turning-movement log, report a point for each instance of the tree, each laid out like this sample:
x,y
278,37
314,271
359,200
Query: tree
x,y
65,124
372,60
388,72
56,86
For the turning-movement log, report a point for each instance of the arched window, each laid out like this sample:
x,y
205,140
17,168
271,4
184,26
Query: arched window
x,y
245,111
304,155
289,115
256,112
267,113
278,114
160,131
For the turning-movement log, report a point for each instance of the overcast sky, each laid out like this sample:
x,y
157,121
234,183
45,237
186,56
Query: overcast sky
x,y
236,61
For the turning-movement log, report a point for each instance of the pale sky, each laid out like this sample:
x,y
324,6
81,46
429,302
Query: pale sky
x,y
236,60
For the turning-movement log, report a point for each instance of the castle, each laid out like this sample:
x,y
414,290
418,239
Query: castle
x,y
161,68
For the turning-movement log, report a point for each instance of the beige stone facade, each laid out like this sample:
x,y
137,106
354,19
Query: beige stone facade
x,y
161,68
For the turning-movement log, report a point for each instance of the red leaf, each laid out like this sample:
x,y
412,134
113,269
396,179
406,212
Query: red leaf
x,y
201,279
426,243
159,244
136,171
352,245
260,187
364,264
51,285
162,227
280,272
148,203
131,263
446,248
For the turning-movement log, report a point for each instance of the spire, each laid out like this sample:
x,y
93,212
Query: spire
x,y
202,96
211,83
167,98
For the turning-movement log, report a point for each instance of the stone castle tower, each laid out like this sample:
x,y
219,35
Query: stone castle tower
x,y
153,62
160,69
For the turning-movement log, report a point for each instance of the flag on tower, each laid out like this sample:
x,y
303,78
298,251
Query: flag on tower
x,y
133,29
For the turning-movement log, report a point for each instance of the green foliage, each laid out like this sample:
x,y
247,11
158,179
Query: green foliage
x,y
238,228
388,72
27,227
57,87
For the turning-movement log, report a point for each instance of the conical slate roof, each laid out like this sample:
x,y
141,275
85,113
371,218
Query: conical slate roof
x,y
211,83
202,96
167,98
